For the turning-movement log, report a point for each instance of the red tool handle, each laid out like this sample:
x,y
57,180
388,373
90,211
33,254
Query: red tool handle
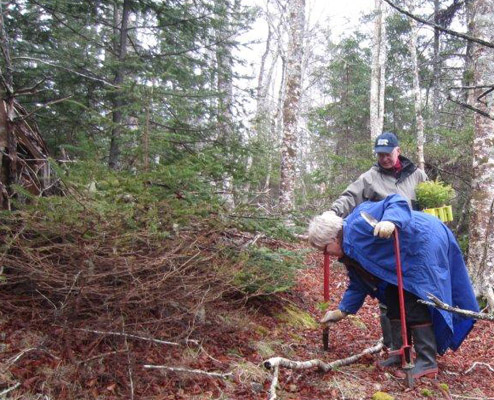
x,y
406,348
325,332
326,277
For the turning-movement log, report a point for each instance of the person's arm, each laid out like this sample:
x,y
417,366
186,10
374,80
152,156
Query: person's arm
x,y
350,198
397,210
354,295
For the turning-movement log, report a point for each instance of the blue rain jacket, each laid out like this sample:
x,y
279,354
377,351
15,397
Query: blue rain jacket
x,y
431,261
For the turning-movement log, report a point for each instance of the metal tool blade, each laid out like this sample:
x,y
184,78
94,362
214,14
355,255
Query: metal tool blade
x,y
369,218
409,378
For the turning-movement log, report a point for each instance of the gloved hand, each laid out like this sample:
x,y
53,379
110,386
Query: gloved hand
x,y
384,229
333,316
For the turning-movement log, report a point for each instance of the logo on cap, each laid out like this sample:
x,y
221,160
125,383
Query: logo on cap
x,y
382,142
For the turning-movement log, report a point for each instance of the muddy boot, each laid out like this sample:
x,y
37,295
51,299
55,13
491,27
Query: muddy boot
x,y
425,347
396,343
385,326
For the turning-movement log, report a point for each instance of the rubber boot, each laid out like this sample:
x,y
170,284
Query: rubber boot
x,y
396,343
385,326
424,342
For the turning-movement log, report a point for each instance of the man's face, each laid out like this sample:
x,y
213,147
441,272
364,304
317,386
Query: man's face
x,y
334,248
388,160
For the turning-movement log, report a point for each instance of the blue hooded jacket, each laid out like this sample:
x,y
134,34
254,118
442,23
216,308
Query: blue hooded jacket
x,y
431,260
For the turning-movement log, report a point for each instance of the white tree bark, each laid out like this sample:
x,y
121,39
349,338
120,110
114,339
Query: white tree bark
x,y
291,105
436,71
412,46
378,72
481,235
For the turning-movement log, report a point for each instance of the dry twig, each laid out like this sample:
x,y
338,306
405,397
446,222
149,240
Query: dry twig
x,y
190,371
129,335
4,392
477,363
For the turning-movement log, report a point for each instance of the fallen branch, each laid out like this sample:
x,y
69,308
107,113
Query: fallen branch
x,y
276,362
476,363
14,359
10,389
190,371
435,302
100,356
325,367
274,383
128,335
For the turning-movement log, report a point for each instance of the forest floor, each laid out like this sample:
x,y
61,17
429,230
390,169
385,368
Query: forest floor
x,y
47,363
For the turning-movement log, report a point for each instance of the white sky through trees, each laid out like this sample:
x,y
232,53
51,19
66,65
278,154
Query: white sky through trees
x,y
340,17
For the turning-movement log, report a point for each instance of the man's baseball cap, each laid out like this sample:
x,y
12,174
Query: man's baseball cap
x,y
386,142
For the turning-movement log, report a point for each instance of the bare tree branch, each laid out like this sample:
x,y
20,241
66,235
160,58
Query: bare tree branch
x,y
435,302
476,363
128,335
4,392
276,362
190,371
469,107
439,27
284,362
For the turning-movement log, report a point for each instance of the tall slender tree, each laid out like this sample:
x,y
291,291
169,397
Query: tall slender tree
x,y
412,45
481,238
291,104
378,71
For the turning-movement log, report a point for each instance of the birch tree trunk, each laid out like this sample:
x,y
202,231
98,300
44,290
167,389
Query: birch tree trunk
x,y
481,235
436,70
291,105
468,74
378,72
412,45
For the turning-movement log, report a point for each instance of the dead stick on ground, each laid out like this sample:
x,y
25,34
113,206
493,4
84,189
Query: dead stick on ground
x,y
10,389
435,302
274,383
476,363
128,335
275,362
190,371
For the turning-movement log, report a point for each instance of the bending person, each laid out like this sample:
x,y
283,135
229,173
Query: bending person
x,y
432,262
392,173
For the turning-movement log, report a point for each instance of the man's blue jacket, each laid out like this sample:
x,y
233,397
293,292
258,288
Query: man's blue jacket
x,y
431,261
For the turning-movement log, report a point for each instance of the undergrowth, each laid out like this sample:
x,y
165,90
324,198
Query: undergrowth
x,y
159,243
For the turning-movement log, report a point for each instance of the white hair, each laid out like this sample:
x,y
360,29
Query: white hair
x,y
324,229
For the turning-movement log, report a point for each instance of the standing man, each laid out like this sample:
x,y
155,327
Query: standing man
x,y
393,173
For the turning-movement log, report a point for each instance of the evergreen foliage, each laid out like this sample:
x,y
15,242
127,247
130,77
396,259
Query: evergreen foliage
x,y
70,51
117,241
432,194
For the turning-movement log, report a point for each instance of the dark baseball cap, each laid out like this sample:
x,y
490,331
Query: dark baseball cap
x,y
386,142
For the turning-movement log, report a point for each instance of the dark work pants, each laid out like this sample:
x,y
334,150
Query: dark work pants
x,y
416,313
